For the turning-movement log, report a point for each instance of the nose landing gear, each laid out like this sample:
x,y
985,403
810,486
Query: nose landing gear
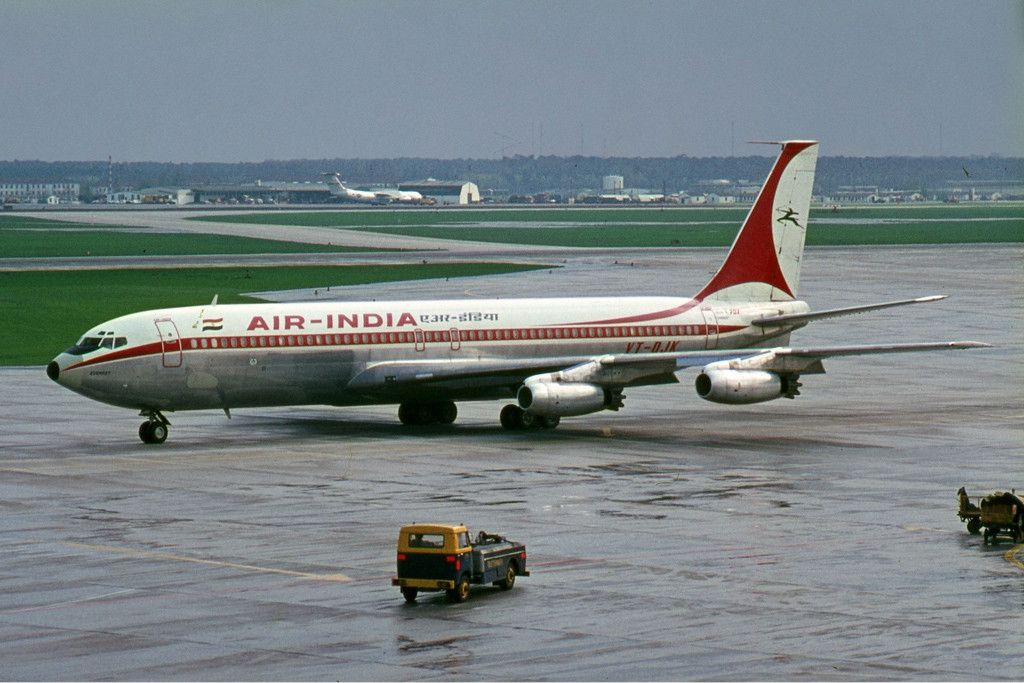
x,y
154,429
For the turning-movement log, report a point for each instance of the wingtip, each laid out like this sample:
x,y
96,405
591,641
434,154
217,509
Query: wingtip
x,y
970,345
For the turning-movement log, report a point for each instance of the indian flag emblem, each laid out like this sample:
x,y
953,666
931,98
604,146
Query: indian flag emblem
x,y
210,324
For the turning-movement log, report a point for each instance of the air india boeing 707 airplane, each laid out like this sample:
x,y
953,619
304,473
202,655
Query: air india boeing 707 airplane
x,y
555,357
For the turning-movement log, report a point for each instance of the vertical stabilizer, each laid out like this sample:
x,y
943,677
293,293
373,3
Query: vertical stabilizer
x,y
764,261
334,183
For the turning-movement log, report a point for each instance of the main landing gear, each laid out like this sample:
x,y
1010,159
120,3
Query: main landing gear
x,y
444,412
427,412
154,429
514,417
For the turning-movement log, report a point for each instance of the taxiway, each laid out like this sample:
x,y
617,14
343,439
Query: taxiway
x,y
675,539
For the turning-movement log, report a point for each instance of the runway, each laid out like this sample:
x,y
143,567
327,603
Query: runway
x,y
675,539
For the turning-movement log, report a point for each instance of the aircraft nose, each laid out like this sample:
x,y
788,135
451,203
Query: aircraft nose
x,y
62,370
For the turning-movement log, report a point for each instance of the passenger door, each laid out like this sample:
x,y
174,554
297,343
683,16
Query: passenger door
x,y
711,323
170,342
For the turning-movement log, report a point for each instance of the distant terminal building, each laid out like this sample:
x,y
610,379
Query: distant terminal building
x,y
445,192
855,193
263,193
39,193
975,190
613,184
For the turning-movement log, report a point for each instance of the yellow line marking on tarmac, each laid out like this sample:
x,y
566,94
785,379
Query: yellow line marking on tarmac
x,y
1011,556
214,563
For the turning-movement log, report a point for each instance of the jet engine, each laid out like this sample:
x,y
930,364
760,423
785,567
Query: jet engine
x,y
557,399
737,387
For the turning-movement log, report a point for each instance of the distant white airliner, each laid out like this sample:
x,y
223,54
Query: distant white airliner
x,y
338,189
557,357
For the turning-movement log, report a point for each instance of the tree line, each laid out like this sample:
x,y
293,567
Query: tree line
x,y
529,174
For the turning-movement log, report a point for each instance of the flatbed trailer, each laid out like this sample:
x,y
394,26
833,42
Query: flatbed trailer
x,y
1002,514
999,514
435,557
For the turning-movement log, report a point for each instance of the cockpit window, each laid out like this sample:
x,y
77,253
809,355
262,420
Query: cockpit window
x,y
89,344
85,345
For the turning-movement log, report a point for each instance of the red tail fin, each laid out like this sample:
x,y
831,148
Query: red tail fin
x,y
764,261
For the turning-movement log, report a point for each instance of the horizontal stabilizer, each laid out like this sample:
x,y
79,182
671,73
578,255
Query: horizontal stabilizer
x,y
834,351
804,318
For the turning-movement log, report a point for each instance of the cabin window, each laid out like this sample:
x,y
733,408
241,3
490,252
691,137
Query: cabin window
x,y
426,540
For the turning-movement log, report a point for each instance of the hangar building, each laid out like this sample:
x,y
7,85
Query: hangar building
x,y
445,192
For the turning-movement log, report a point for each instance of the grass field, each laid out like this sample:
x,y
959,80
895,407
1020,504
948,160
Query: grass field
x,y
669,227
44,312
26,237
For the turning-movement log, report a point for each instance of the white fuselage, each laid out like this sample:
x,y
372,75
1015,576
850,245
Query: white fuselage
x,y
229,356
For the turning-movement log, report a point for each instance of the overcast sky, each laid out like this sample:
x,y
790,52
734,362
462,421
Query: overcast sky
x,y
248,81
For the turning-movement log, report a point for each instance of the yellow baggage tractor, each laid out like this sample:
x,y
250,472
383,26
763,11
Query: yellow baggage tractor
x,y
1002,514
434,557
968,512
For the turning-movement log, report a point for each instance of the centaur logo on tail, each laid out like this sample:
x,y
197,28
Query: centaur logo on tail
x,y
555,357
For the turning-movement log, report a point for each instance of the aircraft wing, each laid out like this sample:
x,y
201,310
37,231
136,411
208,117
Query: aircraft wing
x,y
609,370
613,370
513,371
783,359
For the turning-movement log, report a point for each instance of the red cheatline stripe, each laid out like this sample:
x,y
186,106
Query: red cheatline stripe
x,y
263,342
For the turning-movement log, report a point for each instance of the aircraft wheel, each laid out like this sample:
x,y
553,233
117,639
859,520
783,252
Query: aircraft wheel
x,y
424,413
512,417
407,413
550,422
530,421
973,525
153,432
159,431
445,412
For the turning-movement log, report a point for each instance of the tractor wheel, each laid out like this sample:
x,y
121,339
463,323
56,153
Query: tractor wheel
x,y
460,592
510,577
